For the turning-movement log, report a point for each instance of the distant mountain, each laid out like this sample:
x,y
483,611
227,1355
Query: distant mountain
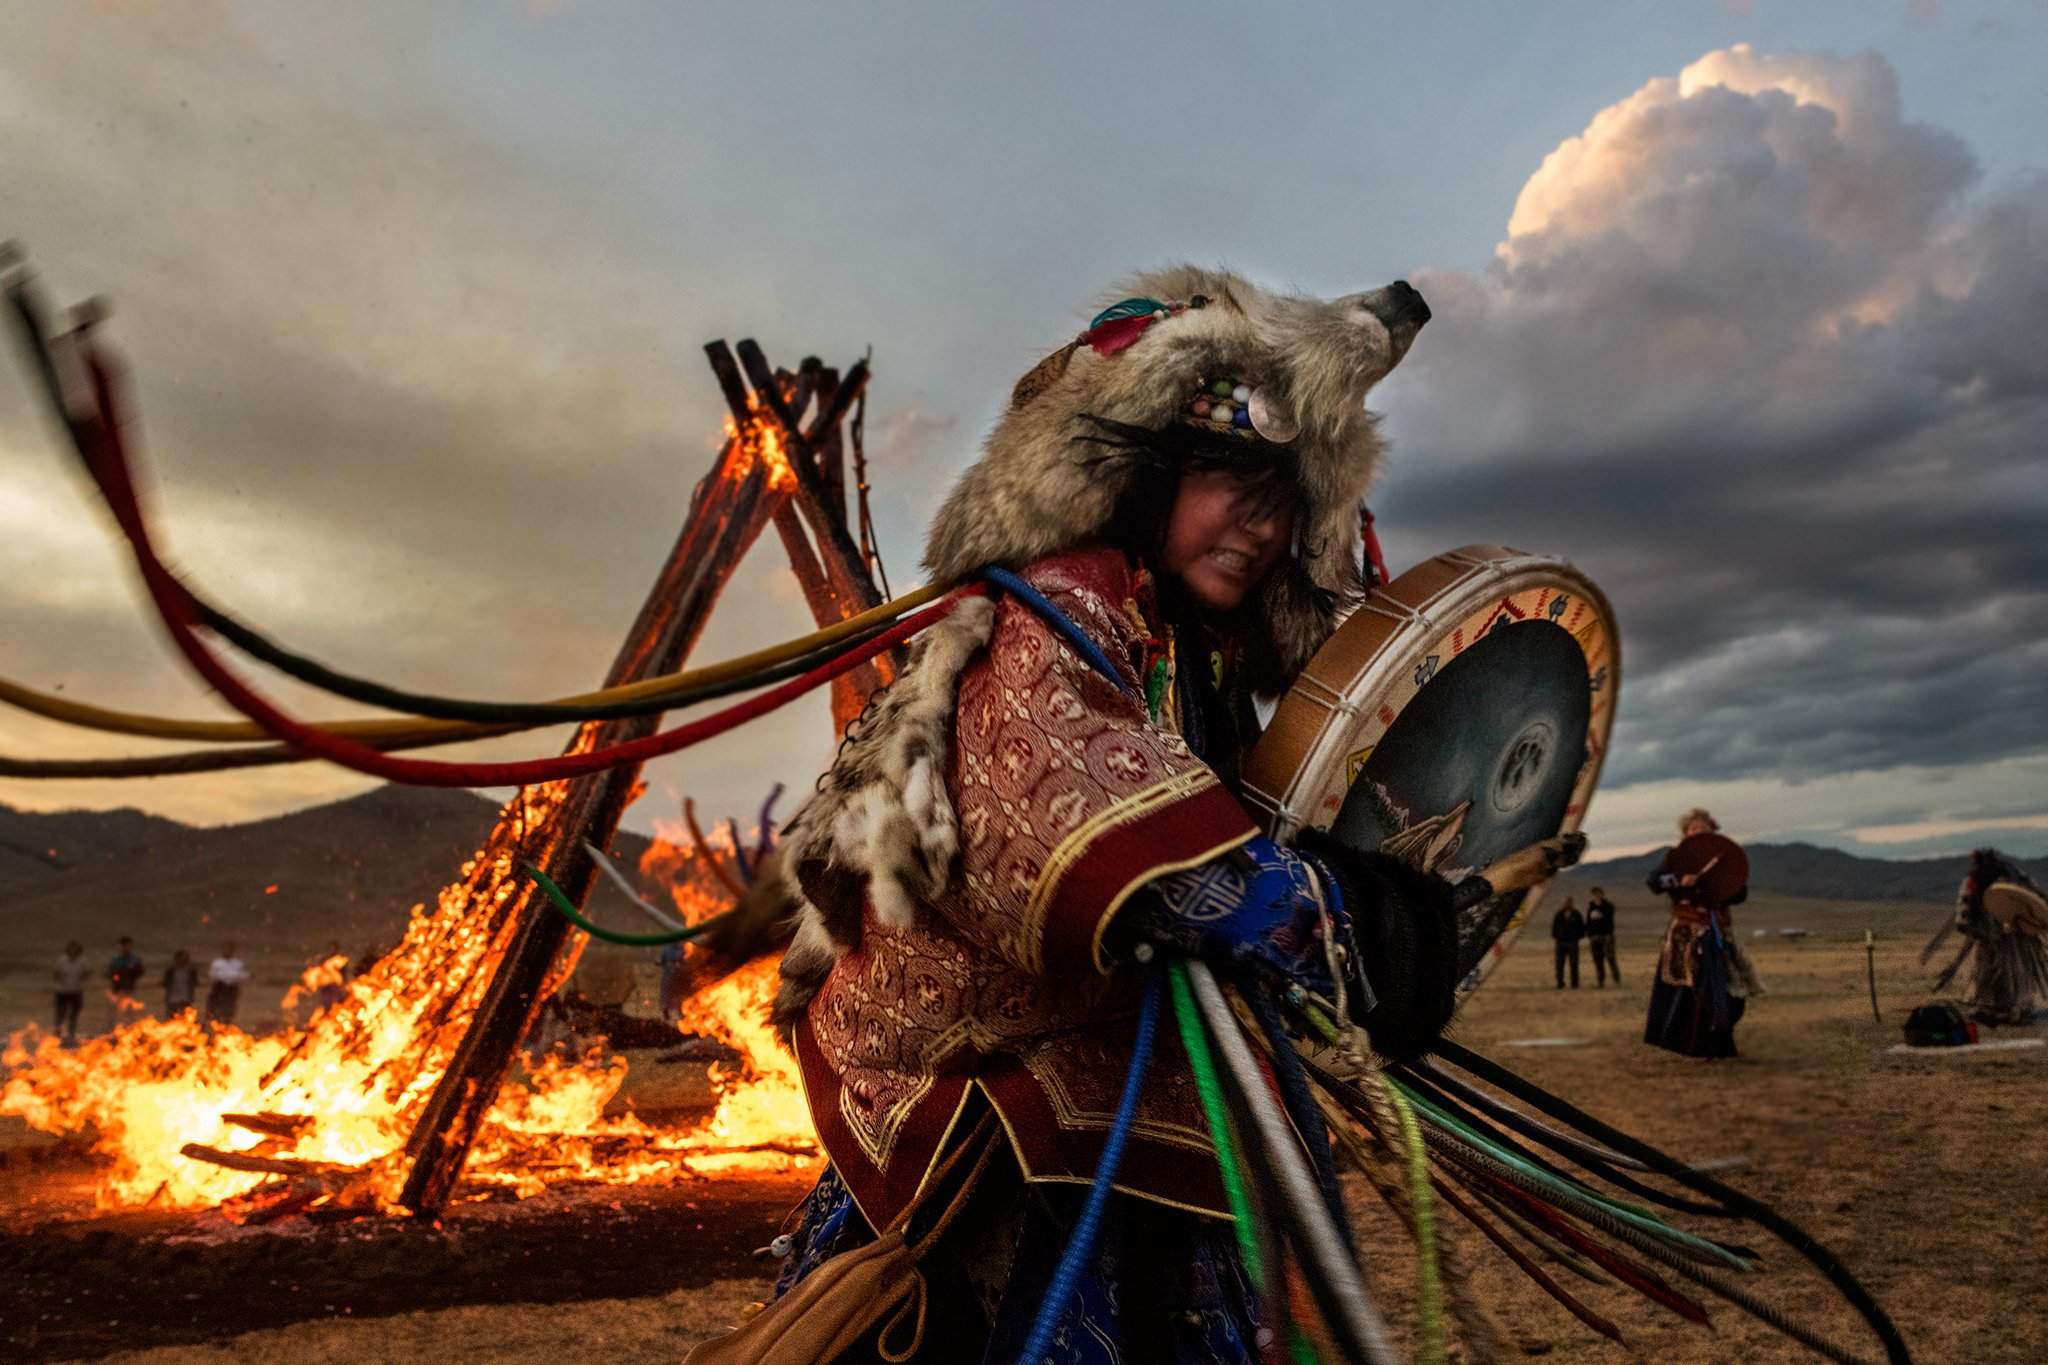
x,y
1808,871
350,871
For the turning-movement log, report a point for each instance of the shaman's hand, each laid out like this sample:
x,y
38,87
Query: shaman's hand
x,y
1527,866
1406,939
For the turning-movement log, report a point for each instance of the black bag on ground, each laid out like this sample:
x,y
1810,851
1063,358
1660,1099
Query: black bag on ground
x,y
1941,1024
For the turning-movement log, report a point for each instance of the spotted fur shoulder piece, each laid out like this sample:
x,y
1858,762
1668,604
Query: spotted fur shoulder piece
x,y
880,829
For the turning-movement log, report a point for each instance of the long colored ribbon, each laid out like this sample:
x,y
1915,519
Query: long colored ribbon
x,y
1340,1290
1429,1278
1081,1243
111,466
1664,1164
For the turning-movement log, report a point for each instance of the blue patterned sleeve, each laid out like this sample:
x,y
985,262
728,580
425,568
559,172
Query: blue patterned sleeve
x,y
1259,904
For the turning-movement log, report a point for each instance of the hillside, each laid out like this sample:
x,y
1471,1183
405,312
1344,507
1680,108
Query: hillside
x,y
348,871
1808,871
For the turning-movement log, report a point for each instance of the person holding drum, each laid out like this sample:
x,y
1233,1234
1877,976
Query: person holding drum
x,y
1043,803
1703,978
2003,919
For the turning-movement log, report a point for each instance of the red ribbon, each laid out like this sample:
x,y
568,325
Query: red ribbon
x,y
1373,554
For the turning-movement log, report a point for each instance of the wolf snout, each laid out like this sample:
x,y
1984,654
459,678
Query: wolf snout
x,y
1399,307
1408,303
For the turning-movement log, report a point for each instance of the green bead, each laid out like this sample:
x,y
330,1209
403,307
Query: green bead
x,y
1223,388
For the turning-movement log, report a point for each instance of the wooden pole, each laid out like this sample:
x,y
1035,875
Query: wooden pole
x,y
728,511
834,575
722,523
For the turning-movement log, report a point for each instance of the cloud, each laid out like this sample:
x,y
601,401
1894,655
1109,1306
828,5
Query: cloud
x,y
412,398
1915,810
1759,354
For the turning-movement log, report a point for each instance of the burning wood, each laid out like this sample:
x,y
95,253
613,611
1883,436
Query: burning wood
x,y
270,1165
276,1125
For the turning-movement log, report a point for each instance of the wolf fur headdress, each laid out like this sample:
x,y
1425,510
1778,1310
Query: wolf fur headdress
x,y
1046,480
880,830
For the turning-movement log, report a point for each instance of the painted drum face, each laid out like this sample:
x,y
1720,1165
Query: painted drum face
x,y
1460,714
1481,762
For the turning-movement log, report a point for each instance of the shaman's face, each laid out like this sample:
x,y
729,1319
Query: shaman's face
x,y
1220,541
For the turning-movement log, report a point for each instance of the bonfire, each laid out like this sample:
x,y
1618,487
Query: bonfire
x,y
318,1118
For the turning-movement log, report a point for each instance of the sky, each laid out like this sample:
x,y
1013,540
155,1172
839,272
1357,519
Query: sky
x,y
1736,307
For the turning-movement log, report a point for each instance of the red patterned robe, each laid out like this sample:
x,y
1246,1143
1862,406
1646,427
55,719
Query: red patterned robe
x,y
1069,799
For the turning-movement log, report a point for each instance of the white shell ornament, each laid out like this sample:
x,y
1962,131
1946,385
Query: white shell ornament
x,y
1272,421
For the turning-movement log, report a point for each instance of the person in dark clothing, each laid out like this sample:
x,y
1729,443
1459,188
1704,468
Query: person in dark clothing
x,y
124,974
1600,937
1567,927
72,973
1704,979
181,984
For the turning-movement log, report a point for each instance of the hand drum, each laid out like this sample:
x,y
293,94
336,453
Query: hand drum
x,y
1461,713
1719,863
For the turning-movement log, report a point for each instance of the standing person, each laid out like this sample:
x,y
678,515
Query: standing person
x,y
1567,927
671,982
1703,977
1600,937
71,974
224,986
1048,791
332,971
124,974
181,984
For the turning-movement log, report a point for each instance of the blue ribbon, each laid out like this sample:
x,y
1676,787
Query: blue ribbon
x,y
1083,644
1081,1245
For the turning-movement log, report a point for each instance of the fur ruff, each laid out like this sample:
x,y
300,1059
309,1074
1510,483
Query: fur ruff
x,y
880,830
1044,483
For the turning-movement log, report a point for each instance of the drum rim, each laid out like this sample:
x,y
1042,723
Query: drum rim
x,y
1323,743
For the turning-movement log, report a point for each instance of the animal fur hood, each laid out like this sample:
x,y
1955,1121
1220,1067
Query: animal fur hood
x,y
1046,481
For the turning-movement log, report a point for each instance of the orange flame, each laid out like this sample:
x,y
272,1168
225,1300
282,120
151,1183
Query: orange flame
x,y
762,442
337,1099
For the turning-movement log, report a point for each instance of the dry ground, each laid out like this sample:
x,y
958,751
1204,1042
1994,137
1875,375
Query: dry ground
x,y
1923,1172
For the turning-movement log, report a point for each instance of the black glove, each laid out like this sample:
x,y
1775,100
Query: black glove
x,y
1407,940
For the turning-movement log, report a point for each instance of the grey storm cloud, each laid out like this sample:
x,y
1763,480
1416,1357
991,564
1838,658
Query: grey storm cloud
x,y
1761,356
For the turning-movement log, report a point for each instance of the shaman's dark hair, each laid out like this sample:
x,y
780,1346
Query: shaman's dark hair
x,y
1150,466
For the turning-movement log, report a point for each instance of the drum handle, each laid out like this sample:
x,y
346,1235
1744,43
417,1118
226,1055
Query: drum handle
x,y
1476,889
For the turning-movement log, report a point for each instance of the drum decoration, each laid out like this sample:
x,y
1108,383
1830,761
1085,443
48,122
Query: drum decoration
x,y
1461,713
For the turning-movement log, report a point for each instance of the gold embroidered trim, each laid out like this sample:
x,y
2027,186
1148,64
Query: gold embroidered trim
x,y
1070,1115
1076,845
1017,1150
1130,887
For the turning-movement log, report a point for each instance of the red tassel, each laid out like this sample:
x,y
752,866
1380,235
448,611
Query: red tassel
x,y
1639,1278
1373,554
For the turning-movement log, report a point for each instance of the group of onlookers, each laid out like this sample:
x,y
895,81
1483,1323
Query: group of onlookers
x,y
124,975
1593,926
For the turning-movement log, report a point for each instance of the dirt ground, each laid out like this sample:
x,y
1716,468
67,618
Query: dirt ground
x,y
1923,1172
